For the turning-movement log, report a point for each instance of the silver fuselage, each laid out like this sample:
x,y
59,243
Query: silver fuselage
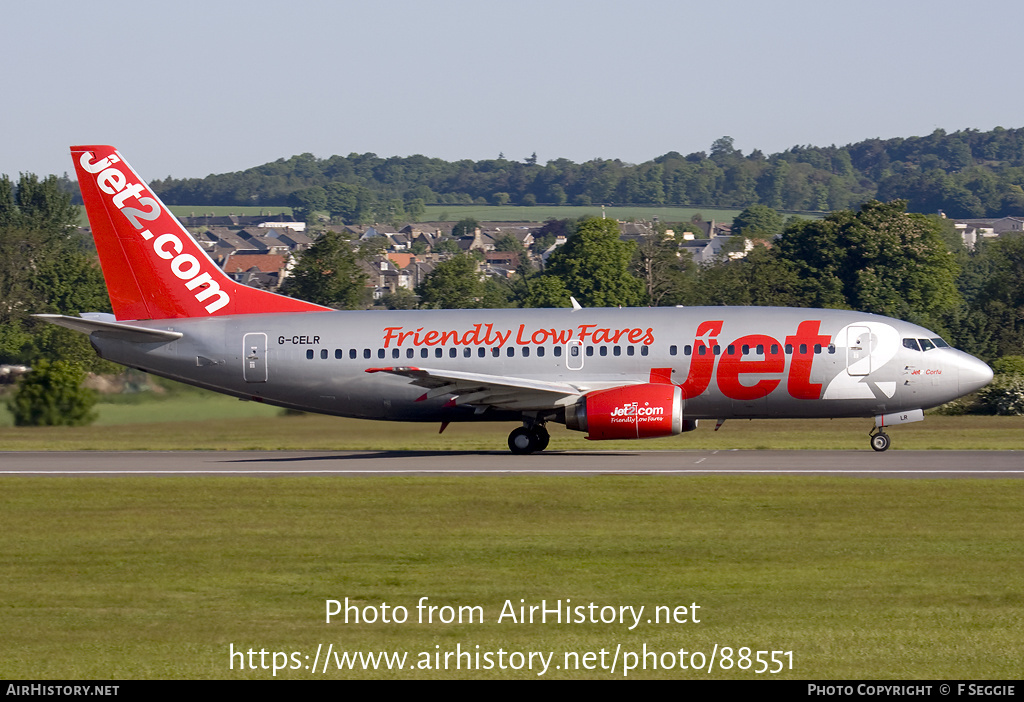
x,y
797,362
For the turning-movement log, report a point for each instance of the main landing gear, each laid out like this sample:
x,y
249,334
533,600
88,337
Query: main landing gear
x,y
528,439
879,439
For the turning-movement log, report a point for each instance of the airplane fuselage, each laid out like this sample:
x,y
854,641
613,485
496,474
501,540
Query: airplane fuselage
x,y
729,362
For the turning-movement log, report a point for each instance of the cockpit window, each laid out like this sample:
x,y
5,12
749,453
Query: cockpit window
x,y
911,344
940,343
926,345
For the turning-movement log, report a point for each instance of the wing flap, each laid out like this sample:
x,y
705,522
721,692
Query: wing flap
x,y
481,389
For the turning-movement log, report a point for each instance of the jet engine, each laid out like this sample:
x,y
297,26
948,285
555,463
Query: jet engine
x,y
630,412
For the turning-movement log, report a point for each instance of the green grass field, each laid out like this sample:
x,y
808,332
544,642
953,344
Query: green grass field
x,y
199,420
508,213
541,213
160,577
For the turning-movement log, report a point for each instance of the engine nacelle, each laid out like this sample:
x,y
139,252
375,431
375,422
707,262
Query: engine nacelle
x,y
629,412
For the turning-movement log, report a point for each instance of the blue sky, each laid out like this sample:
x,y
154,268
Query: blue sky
x,y
197,87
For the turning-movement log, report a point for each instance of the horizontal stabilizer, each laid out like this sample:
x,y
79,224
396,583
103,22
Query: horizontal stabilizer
x,y
113,330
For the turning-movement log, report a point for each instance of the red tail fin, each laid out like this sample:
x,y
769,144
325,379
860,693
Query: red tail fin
x,y
153,267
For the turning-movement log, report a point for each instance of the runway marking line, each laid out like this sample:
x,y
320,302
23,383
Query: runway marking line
x,y
475,471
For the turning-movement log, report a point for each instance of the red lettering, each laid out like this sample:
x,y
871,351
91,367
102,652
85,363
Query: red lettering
x,y
733,365
701,363
803,342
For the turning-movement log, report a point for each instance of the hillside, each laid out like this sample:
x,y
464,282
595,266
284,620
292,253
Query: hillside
x,y
965,173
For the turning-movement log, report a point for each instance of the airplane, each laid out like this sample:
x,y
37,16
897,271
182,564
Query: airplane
x,y
612,373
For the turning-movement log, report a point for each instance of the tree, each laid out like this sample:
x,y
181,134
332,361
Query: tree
x,y
594,266
44,268
667,271
544,291
51,394
991,322
880,259
457,284
308,201
328,273
758,222
759,278
465,227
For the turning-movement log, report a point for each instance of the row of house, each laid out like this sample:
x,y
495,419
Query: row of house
x,y
260,251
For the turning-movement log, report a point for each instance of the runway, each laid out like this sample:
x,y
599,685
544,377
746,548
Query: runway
x,y
891,464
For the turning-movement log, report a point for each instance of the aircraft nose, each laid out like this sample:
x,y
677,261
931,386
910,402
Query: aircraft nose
x,y
973,374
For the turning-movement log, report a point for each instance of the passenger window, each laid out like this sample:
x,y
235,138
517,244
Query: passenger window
x,y
481,352
323,354
558,352
352,353
590,350
495,352
731,350
644,350
409,353
396,353
617,351
775,348
604,350
338,353
717,350
574,351
526,351
424,353
745,349
366,353
467,352
540,350
510,352
309,353
817,348
789,349
453,352
438,353
630,351
687,350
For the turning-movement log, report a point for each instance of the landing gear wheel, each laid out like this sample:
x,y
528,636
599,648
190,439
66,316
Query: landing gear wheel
x,y
522,441
880,441
541,437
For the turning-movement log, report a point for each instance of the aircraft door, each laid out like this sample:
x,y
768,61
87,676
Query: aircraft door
x,y
254,357
574,355
858,350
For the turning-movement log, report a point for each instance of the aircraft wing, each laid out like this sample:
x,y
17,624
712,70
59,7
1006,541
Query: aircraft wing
x,y
481,390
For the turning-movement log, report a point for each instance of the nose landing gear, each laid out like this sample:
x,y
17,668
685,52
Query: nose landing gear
x,y
879,439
